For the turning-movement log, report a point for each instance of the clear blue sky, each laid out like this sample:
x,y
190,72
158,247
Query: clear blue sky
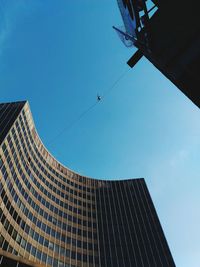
x,y
58,55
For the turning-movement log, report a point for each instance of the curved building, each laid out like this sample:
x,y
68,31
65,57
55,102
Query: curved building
x,y
52,216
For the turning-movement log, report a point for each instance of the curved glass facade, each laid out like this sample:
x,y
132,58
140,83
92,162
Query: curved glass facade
x,y
55,217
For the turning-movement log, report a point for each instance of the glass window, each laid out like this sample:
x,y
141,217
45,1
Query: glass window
x,y
39,254
46,243
36,236
23,243
10,229
6,224
49,260
51,245
18,238
14,234
5,245
33,251
44,257
28,247
1,240
41,239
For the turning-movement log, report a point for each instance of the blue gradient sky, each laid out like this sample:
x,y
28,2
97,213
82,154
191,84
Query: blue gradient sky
x,y
58,55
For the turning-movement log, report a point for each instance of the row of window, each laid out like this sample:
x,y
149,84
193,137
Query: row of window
x,y
42,200
41,256
49,230
33,234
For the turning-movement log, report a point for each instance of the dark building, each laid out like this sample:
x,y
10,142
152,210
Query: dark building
x,y
52,216
170,39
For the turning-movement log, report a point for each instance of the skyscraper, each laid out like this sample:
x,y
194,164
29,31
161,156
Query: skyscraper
x,y
52,216
167,34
